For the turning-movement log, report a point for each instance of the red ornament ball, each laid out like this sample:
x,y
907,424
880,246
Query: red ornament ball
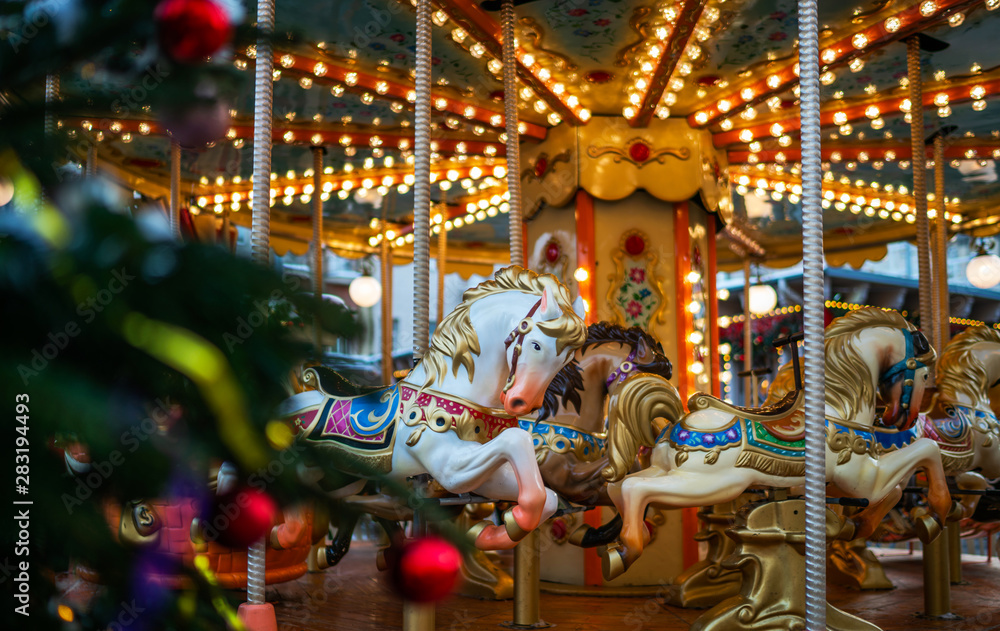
x,y
426,569
639,151
635,245
190,30
243,516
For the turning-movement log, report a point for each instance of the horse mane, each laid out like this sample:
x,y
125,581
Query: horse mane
x,y
567,385
564,388
847,385
609,332
454,337
632,410
959,372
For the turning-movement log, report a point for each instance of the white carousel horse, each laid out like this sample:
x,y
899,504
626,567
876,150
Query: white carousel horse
x,y
718,450
962,421
499,348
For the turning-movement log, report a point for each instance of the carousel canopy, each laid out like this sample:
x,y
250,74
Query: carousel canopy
x,y
344,81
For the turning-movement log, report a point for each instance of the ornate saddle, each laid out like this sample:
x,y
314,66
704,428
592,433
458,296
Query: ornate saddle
x,y
784,419
357,422
329,381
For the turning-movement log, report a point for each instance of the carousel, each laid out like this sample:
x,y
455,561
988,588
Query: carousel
x,y
674,314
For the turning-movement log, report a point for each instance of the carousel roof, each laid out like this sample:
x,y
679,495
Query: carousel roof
x,y
343,80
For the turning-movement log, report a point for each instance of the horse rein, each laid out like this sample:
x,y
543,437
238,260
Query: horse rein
x,y
516,338
916,344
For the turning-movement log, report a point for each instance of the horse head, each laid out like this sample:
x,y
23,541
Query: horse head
x,y
537,349
969,367
904,378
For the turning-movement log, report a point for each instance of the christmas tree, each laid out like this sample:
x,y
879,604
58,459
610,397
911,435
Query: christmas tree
x,y
142,361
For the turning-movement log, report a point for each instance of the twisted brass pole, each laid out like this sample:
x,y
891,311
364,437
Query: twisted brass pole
x,y
918,162
941,251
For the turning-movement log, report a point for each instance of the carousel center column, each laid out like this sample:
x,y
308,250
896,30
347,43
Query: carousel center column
x,y
626,218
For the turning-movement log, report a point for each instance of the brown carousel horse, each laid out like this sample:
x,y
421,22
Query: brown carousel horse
x,y
570,428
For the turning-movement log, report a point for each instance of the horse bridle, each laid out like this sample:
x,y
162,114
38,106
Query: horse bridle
x,y
623,370
516,338
916,345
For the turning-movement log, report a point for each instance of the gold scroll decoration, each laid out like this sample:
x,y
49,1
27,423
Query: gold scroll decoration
x,y
550,176
635,293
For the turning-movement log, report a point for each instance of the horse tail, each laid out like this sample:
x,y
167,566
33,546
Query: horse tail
x,y
631,414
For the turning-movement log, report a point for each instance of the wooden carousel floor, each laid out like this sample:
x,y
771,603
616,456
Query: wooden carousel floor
x,y
354,597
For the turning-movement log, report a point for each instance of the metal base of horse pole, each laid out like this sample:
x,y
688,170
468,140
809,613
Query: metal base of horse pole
x,y
937,583
257,616
481,577
526,586
953,534
770,539
852,564
707,582
417,617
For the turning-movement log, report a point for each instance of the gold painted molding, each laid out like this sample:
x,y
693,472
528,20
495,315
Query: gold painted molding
x,y
611,160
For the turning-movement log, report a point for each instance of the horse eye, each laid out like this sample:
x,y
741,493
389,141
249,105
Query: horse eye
x,y
536,346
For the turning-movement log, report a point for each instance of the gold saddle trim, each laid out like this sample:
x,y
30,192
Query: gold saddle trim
x,y
789,404
784,419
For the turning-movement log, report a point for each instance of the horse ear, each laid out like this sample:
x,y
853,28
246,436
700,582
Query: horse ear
x,y
549,307
642,348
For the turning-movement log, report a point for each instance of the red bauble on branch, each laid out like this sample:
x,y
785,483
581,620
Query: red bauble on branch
x,y
243,516
191,30
426,569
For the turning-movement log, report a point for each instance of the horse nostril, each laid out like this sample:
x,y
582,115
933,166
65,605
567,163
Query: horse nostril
x,y
517,404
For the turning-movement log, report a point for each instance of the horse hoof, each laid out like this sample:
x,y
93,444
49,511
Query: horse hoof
x,y
955,514
476,530
322,559
576,538
847,530
613,563
380,561
927,528
514,530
